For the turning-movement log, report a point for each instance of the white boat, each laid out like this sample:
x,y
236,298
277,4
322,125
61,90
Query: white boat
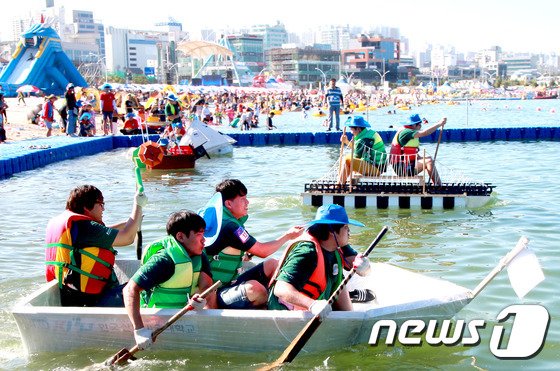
x,y
45,326
214,143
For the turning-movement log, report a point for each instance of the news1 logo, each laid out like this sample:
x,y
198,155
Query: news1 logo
x,y
524,339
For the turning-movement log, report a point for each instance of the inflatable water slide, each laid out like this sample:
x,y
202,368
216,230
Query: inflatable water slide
x,y
40,61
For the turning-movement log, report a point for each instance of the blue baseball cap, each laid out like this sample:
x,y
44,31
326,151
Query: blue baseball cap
x,y
333,214
358,122
130,114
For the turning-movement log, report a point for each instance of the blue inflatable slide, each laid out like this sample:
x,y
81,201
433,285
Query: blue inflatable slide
x,y
40,61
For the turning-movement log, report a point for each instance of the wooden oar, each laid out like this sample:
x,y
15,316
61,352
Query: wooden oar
x,y
124,354
342,165
140,188
435,153
305,334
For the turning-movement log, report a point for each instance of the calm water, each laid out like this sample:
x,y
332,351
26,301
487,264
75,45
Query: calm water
x,y
461,246
475,114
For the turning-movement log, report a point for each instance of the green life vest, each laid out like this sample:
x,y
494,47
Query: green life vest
x,y
369,138
175,292
225,267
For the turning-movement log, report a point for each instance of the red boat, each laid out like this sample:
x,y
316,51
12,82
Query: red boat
x,y
541,95
157,157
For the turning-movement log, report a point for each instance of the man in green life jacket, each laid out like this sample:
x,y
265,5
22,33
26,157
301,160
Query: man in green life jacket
x,y
173,109
232,244
369,157
174,269
312,267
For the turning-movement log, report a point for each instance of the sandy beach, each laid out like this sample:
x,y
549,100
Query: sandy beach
x,y
19,127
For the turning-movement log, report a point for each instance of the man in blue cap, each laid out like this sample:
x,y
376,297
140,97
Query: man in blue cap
x,y
312,267
405,147
369,157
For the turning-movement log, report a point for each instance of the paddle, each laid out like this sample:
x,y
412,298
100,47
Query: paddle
x,y
140,188
305,334
435,154
154,159
124,354
342,164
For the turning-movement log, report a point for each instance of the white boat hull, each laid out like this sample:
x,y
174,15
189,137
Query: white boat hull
x,y
400,294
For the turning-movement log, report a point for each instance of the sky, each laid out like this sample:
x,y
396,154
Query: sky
x,y
471,25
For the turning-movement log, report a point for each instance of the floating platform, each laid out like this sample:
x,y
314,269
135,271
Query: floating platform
x,y
398,194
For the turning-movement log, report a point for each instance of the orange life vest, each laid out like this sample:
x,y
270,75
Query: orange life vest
x,y
405,153
317,283
93,264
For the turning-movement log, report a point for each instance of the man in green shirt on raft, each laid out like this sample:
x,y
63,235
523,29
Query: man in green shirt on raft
x,y
369,157
312,267
174,269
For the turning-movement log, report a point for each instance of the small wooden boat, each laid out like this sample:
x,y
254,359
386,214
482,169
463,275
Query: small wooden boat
x,y
546,96
154,156
400,295
45,326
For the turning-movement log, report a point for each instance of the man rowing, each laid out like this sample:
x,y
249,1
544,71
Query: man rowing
x,y
312,267
174,270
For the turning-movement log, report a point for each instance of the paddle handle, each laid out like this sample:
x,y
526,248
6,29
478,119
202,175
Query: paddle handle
x,y
185,309
139,183
169,322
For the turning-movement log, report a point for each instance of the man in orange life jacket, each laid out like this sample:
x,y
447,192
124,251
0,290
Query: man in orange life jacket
x,y
311,269
405,147
80,252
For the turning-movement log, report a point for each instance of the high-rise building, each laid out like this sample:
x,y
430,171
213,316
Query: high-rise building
x,y
338,37
273,36
376,59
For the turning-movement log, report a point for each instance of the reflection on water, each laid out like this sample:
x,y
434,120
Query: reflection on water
x,y
461,246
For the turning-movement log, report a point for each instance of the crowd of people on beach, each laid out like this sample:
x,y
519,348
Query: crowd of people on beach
x,y
108,111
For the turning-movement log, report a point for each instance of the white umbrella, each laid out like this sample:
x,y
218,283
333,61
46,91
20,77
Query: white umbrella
x,y
28,89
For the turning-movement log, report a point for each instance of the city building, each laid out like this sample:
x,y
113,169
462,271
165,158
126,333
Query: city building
x,y
338,37
304,66
273,36
376,59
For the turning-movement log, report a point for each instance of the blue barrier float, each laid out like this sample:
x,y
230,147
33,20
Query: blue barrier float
x,y
306,139
28,162
274,139
21,158
16,168
2,169
259,139
531,134
470,135
290,139
555,133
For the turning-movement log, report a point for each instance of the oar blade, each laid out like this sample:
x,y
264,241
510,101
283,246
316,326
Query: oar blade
x,y
295,346
120,357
